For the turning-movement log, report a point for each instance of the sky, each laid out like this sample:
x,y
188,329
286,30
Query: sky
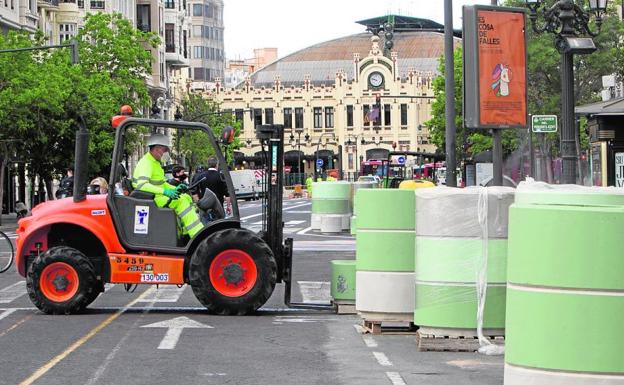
x,y
291,25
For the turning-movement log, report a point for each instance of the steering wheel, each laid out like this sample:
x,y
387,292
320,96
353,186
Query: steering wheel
x,y
193,185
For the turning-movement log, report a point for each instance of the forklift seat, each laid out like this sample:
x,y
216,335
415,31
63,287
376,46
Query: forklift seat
x,y
162,223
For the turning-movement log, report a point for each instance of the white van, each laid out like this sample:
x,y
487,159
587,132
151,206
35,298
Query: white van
x,y
245,185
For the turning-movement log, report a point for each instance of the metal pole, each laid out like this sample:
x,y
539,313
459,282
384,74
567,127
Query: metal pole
x,y
497,158
531,154
449,89
568,141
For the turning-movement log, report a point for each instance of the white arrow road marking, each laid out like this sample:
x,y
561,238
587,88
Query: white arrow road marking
x,y
382,359
396,378
174,330
7,313
9,293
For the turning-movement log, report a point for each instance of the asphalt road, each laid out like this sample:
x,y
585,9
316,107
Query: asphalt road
x,y
125,338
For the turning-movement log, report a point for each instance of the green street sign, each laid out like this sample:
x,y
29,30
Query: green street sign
x,y
544,123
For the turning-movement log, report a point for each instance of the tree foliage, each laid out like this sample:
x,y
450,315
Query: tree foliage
x,y
195,145
544,84
42,94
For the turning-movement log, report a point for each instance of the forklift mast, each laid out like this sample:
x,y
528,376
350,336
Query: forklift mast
x,y
271,138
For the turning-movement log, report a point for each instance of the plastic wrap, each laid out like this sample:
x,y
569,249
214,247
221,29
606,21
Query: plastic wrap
x,y
461,259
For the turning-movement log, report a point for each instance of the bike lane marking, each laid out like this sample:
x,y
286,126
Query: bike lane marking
x,y
60,357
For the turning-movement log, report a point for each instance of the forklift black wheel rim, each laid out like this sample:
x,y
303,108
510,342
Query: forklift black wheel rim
x,y
59,282
233,273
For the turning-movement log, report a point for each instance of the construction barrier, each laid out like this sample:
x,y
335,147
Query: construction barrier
x,y
385,254
331,207
565,299
357,186
461,260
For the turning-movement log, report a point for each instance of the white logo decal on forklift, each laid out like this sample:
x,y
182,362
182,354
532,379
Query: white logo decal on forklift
x,y
98,212
141,219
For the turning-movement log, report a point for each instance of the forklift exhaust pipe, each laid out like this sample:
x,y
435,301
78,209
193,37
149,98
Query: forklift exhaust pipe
x,y
81,162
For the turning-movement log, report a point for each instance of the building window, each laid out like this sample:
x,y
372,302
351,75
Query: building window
x,y
268,115
365,109
240,117
197,30
80,3
403,114
170,4
67,32
257,113
97,4
143,18
198,73
350,157
318,117
170,37
208,11
387,114
197,9
299,117
329,117
349,116
287,117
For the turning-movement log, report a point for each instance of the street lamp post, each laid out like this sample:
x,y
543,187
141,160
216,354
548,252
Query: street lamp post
x,y
355,139
317,150
569,22
292,139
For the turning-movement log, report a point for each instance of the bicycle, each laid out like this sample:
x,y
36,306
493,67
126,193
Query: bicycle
x,y
7,252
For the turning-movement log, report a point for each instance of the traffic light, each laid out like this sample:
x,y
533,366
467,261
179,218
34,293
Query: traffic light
x,y
388,34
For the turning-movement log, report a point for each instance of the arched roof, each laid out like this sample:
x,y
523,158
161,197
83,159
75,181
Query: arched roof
x,y
418,50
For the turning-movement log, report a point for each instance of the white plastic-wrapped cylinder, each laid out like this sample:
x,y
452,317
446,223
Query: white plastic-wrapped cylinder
x,y
331,206
565,298
385,254
461,241
354,189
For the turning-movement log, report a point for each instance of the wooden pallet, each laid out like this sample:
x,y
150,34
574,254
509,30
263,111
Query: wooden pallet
x,y
345,307
385,327
452,343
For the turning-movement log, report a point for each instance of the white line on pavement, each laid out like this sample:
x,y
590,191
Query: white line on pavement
x,y
294,222
396,378
285,209
369,341
165,293
7,313
10,293
382,359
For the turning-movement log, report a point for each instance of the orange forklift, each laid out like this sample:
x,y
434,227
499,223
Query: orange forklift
x,y
69,248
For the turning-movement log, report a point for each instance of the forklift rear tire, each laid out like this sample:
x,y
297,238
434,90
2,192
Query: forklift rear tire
x,y
233,272
61,281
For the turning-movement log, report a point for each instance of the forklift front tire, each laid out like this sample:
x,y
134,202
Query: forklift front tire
x,y
61,281
233,272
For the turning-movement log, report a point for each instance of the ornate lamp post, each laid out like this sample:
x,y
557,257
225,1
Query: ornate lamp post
x,y
355,142
292,140
570,24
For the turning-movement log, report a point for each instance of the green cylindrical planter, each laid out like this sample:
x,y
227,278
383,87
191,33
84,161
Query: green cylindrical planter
x,y
565,300
385,253
452,247
343,280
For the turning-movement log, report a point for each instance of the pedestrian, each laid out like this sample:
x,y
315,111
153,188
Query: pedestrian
x,y
66,187
179,175
98,186
215,181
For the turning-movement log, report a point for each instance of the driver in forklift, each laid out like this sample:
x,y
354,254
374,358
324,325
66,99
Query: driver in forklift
x,y
149,176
